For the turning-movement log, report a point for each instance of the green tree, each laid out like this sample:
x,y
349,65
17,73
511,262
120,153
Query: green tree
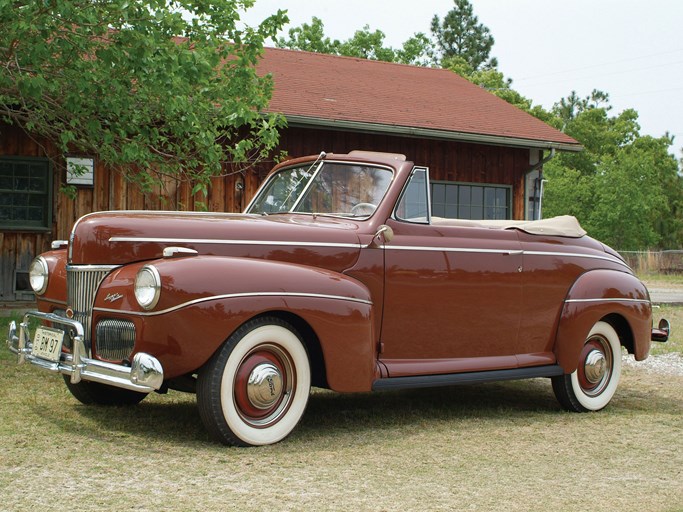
x,y
364,44
624,188
309,38
153,88
460,34
367,44
417,50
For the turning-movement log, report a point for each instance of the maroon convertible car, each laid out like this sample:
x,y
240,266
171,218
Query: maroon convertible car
x,y
337,275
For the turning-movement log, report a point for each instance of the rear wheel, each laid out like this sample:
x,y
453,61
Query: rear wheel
x,y
255,388
593,384
94,393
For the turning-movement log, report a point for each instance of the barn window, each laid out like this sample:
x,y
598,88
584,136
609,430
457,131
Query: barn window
x,y
25,194
471,201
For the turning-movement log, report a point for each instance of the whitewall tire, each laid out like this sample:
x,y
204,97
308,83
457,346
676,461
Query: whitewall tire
x,y
593,384
255,388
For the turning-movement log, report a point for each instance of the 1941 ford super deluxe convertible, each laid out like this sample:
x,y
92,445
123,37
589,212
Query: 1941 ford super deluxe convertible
x,y
337,275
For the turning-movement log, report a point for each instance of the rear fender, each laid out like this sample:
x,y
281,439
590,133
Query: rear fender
x,y
206,298
616,297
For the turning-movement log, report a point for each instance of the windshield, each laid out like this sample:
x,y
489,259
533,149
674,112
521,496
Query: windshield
x,y
348,190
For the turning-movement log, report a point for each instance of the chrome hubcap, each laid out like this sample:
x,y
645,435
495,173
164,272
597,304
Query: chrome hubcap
x,y
595,367
264,387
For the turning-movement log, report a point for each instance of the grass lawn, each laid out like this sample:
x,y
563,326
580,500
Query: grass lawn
x,y
501,446
654,280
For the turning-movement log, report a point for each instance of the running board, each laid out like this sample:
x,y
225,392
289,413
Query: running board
x,y
452,379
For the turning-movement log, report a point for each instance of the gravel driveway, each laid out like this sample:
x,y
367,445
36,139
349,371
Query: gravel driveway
x,y
665,364
661,295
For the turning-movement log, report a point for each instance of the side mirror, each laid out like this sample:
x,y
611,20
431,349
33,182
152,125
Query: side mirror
x,y
384,235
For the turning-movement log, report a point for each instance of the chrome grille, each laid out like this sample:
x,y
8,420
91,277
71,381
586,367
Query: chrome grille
x,y
67,339
115,339
82,282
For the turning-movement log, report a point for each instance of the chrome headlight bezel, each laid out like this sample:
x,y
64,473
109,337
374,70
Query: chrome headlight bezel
x,y
38,275
147,287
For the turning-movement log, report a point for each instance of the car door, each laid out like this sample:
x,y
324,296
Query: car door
x,y
453,297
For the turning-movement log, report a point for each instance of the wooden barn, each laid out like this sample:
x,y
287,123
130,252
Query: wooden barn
x,y
484,155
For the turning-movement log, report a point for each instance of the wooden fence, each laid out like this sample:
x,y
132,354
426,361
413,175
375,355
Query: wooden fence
x,y
655,262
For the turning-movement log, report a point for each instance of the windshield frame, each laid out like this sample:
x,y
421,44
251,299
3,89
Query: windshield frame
x,y
318,166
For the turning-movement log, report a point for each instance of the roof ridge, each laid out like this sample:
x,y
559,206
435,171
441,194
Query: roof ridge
x,y
359,59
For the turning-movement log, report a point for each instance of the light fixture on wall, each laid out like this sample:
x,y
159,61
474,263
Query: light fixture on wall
x,y
80,171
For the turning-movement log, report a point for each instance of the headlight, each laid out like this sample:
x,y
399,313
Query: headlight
x,y
147,286
37,274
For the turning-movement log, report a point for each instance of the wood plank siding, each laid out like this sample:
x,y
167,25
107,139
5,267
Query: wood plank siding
x,y
448,161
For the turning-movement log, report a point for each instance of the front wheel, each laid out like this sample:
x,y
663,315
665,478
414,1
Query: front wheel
x,y
593,384
254,390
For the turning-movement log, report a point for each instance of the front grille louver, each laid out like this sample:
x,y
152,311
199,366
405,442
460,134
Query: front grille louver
x,y
115,339
82,282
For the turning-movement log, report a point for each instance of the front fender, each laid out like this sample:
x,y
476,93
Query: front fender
x,y
618,297
206,298
55,294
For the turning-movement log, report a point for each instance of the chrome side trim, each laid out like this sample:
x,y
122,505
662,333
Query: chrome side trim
x,y
450,249
508,252
359,246
230,242
610,299
237,296
577,255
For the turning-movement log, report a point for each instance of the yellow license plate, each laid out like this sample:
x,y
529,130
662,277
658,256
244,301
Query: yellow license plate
x,y
47,343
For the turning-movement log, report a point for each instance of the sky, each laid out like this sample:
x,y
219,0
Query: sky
x,y
631,49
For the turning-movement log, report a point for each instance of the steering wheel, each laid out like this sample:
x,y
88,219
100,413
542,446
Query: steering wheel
x,y
363,209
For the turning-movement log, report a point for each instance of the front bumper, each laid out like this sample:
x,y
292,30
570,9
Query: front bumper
x,y
145,374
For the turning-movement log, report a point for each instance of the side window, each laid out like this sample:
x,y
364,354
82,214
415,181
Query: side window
x,y
25,194
414,203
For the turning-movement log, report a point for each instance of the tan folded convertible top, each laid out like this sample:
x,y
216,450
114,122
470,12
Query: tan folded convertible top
x,y
565,225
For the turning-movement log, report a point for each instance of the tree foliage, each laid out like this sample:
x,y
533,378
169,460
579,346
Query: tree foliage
x,y
364,44
460,34
367,44
309,38
153,88
625,188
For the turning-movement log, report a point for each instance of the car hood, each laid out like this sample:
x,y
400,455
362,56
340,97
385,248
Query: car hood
x,y
117,238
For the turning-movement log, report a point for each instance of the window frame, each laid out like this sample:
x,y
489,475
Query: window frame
x,y
45,225
428,186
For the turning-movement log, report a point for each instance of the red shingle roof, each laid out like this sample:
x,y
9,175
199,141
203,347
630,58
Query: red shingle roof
x,y
319,89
